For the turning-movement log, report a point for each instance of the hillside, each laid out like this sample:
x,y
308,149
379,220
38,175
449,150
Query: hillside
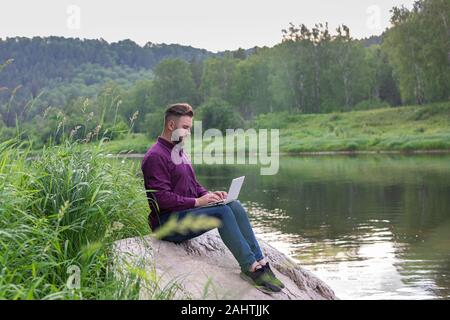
x,y
386,129
400,128
38,59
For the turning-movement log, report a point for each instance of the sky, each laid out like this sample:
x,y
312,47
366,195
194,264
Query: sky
x,y
209,24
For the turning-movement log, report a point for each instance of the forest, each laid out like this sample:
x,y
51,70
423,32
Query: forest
x,y
54,87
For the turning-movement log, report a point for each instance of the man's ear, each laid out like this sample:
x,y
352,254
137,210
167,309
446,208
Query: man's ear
x,y
171,125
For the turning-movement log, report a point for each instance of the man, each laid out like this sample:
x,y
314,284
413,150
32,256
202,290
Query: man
x,y
177,192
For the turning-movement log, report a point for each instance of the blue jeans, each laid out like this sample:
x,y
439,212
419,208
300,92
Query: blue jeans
x,y
235,230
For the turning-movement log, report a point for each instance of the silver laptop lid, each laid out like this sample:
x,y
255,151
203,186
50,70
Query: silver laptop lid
x,y
235,188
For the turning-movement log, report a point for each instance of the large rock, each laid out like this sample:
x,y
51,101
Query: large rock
x,y
204,268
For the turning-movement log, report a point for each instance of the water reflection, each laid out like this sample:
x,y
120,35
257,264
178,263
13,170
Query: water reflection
x,y
372,227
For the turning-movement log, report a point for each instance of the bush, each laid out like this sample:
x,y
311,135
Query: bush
x,y
218,114
116,132
425,112
371,104
276,120
154,123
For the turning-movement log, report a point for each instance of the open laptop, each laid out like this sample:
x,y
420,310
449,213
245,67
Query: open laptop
x,y
233,193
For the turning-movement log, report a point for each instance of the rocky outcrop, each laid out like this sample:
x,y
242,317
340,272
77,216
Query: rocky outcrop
x,y
204,268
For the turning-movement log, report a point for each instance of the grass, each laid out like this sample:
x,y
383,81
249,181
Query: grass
x,y
61,213
399,129
132,143
387,129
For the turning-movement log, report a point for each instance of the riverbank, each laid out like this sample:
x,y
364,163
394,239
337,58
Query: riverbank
x,y
402,129
409,129
62,216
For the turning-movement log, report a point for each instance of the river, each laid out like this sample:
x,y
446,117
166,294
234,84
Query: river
x,y
370,226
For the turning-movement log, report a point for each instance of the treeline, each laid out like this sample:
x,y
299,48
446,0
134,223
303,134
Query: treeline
x,y
418,47
37,60
312,70
57,69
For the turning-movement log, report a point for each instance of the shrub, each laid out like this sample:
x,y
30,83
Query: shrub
x,y
276,120
154,123
216,113
370,104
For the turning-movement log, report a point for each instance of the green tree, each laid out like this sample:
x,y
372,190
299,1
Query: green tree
x,y
154,123
383,85
217,78
138,99
250,91
417,46
219,114
350,75
173,83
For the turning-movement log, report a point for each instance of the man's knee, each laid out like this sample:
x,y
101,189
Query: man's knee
x,y
236,206
224,212
235,203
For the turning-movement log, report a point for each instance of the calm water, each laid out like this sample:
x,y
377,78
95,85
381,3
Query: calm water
x,y
372,227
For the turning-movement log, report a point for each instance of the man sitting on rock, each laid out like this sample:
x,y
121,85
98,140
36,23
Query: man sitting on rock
x,y
178,193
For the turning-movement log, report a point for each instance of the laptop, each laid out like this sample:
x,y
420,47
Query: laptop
x,y
233,193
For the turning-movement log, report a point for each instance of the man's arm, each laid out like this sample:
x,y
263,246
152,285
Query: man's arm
x,y
157,177
201,191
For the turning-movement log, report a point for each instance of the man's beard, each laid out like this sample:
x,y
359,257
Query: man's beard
x,y
180,140
178,136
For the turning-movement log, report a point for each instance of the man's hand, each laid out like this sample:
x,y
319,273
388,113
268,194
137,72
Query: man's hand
x,y
221,194
207,198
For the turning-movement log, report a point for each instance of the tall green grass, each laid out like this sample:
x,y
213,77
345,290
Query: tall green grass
x,y
62,210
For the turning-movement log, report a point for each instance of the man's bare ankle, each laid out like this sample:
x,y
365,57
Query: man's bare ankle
x,y
254,266
263,261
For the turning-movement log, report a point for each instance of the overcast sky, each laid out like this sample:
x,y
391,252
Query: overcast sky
x,y
210,24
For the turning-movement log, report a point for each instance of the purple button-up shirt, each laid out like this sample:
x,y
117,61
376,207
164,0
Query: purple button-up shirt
x,y
175,185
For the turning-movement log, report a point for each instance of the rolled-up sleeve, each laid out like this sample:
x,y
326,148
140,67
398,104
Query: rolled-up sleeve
x,y
157,178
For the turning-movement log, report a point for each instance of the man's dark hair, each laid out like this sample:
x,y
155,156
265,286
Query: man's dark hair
x,y
178,110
